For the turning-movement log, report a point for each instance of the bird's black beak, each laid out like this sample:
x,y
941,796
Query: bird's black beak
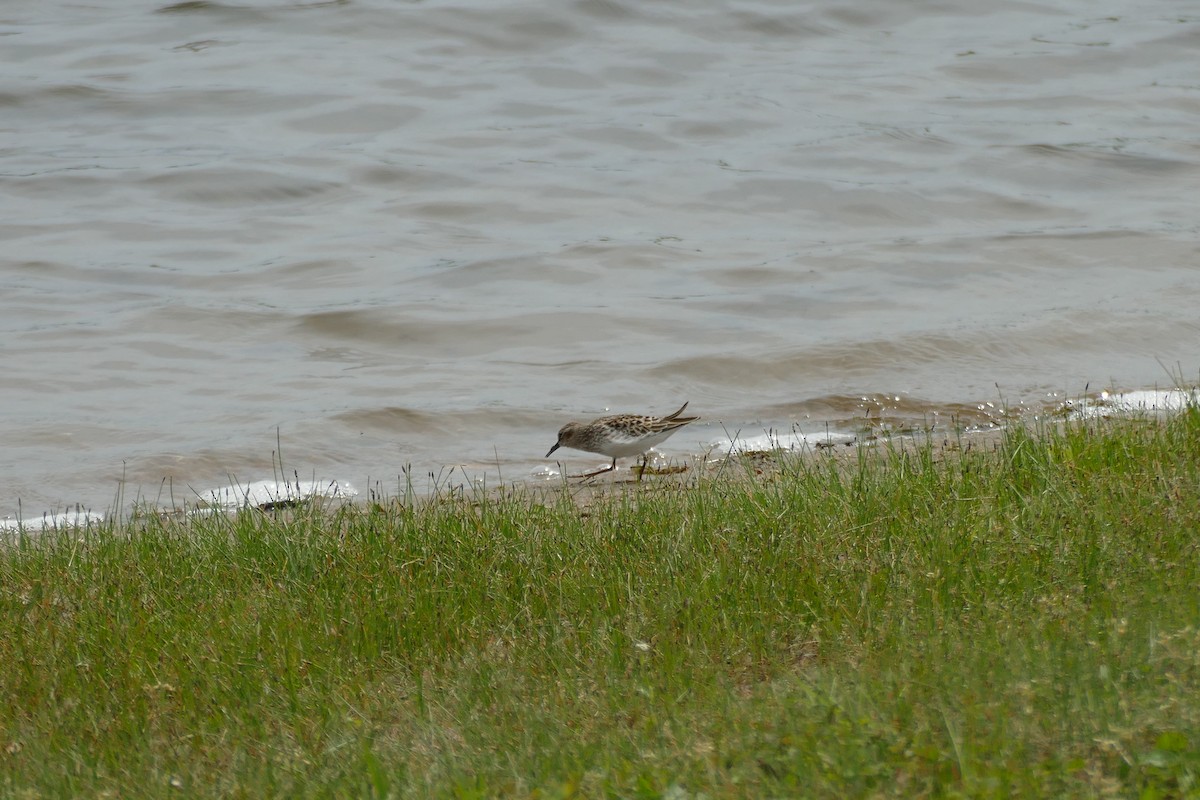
x,y
552,449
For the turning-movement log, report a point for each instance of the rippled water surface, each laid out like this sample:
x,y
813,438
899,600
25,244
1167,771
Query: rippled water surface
x,y
378,233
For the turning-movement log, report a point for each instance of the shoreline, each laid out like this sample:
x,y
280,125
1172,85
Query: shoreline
x,y
275,493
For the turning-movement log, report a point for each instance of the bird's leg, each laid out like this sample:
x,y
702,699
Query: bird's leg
x,y
642,469
609,468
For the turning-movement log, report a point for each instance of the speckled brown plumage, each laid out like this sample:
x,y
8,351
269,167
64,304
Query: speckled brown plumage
x,y
619,435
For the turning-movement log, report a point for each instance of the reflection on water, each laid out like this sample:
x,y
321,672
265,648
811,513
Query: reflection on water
x,y
361,236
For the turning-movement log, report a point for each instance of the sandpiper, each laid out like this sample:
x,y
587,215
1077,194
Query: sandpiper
x,y
619,436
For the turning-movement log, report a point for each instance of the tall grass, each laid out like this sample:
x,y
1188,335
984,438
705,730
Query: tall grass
x,y
1018,619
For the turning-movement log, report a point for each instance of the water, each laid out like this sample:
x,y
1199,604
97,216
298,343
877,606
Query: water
x,y
375,234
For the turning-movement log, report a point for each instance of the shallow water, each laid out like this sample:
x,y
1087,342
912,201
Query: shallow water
x,y
375,234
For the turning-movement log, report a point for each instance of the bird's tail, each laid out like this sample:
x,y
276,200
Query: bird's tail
x,y
678,419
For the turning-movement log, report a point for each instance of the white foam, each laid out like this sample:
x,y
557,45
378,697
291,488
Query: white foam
x,y
774,440
544,472
1143,401
261,494
52,522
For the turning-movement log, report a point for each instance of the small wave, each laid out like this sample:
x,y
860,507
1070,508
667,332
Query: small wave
x,y
271,494
1128,404
51,522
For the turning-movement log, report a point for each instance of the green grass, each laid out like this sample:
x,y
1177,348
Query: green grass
x,y
1016,621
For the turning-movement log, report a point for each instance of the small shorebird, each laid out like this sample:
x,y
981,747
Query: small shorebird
x,y
619,436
